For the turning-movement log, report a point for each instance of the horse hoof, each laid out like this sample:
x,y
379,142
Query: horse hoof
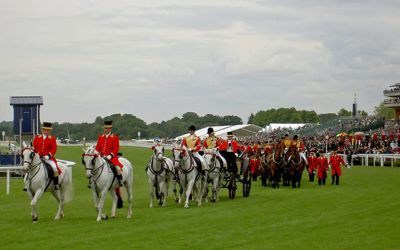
x,y
104,217
35,219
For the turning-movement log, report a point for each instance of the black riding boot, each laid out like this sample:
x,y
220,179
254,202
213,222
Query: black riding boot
x,y
55,180
337,179
333,179
319,181
121,182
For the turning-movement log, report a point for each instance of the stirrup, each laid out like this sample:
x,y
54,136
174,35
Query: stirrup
x,y
56,187
121,183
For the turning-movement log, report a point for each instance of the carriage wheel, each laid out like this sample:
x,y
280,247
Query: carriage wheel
x,y
246,183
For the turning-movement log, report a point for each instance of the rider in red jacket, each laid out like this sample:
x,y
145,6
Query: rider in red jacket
x,y
45,145
108,147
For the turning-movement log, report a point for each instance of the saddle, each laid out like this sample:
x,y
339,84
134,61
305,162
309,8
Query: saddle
x,y
112,166
198,163
48,169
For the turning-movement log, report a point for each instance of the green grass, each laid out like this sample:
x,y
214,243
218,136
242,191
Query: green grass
x,y
363,212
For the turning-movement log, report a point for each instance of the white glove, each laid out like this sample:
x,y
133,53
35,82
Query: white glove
x,y
46,157
236,154
189,150
109,157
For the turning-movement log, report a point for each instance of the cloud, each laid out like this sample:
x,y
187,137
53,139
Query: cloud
x,y
160,59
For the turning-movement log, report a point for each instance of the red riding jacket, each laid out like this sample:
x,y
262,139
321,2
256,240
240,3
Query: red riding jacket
x,y
109,145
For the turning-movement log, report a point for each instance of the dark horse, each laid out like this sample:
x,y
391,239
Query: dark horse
x,y
295,166
274,162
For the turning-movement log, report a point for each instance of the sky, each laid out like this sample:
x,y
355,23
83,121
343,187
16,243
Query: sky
x,y
160,59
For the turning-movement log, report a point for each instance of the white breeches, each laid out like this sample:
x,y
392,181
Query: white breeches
x,y
204,165
53,166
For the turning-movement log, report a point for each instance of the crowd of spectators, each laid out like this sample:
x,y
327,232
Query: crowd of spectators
x,y
381,140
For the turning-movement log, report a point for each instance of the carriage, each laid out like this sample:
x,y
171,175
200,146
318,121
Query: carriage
x,y
230,180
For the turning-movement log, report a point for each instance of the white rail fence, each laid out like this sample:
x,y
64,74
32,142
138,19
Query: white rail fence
x,y
10,169
376,158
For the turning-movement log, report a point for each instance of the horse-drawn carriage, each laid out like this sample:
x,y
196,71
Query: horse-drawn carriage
x,y
230,179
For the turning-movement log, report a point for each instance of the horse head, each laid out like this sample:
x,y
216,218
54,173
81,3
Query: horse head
x,y
210,154
177,156
29,157
158,152
89,160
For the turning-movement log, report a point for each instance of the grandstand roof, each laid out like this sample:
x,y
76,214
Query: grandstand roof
x,y
221,131
26,100
273,126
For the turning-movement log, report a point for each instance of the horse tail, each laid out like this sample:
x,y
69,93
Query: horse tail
x,y
69,189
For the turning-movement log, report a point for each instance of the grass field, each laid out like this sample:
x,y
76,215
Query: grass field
x,y
363,212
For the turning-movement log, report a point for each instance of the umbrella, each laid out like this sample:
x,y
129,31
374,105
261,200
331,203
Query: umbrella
x,y
341,134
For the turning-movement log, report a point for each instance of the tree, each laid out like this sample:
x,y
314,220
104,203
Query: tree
x,y
382,111
251,119
344,112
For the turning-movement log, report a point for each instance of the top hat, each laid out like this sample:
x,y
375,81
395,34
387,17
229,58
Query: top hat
x,y
107,124
47,125
229,133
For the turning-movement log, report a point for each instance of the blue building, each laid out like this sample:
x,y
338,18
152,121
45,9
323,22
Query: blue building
x,y
26,114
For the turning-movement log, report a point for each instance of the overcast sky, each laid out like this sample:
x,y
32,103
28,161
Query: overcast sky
x,y
160,59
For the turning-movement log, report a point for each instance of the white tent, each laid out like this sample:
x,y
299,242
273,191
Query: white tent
x,y
221,131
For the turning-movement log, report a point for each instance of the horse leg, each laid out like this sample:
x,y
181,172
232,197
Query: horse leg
x,y
34,200
151,188
215,189
128,188
189,189
59,195
101,204
162,194
114,202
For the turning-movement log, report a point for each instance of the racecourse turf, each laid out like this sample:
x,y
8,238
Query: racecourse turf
x,y
363,212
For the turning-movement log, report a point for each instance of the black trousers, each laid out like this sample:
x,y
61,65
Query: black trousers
x,y
336,176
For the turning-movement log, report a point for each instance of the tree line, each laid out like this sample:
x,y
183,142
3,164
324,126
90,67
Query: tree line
x,y
128,126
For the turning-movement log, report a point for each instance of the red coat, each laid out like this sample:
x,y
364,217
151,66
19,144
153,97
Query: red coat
x,y
322,167
335,161
46,146
109,145
312,163
192,142
254,166
224,145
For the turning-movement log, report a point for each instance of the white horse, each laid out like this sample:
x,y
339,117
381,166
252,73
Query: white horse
x,y
189,175
37,182
103,180
159,171
214,175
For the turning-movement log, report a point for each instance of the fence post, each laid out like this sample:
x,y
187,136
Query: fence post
x,y
8,182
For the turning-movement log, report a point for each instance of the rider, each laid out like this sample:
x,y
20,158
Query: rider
x,y
300,147
108,147
287,142
193,144
212,141
229,150
45,145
